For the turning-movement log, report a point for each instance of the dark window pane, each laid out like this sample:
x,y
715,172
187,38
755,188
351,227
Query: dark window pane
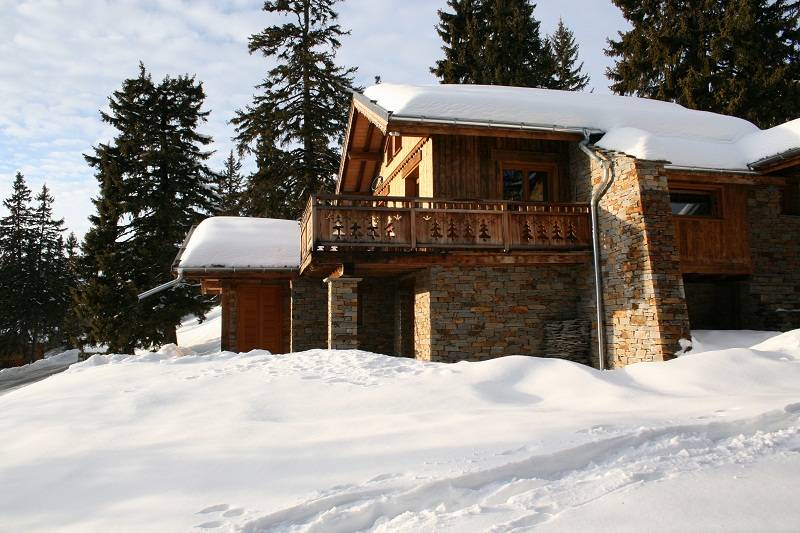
x,y
537,186
512,184
689,204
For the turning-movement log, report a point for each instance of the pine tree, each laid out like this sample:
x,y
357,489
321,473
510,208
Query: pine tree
x,y
154,185
229,185
493,42
73,328
301,110
566,75
739,57
47,278
460,32
757,55
16,235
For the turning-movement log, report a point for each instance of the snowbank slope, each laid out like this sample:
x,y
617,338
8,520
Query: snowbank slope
x,y
345,440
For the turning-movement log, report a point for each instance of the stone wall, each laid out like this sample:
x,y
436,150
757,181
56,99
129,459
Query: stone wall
x,y
478,313
644,302
309,327
772,295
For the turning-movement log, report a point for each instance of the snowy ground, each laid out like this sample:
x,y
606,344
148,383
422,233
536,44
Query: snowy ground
x,y
342,441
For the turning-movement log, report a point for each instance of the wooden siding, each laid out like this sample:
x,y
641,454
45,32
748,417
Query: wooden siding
x,y
468,167
717,244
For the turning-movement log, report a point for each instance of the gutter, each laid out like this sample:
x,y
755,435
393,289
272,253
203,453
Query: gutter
x,y
212,270
175,262
597,195
767,161
489,124
684,168
164,286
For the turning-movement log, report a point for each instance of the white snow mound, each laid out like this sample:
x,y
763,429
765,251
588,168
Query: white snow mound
x,y
336,441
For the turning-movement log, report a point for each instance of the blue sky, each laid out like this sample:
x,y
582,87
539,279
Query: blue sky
x,y
62,58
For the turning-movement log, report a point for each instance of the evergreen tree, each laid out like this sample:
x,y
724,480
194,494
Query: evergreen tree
x,y
301,110
47,283
493,42
16,235
757,58
566,75
154,185
73,328
736,57
461,32
229,188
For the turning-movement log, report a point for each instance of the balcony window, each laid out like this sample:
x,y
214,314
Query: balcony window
x,y
524,183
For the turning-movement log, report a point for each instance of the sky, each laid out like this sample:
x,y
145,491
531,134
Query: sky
x,y
61,59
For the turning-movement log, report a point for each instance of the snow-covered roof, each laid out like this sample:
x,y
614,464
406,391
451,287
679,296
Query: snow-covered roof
x,y
246,243
643,128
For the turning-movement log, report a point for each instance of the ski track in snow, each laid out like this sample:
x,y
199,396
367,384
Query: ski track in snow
x,y
527,492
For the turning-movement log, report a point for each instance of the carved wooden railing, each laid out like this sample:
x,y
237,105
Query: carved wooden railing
x,y
403,223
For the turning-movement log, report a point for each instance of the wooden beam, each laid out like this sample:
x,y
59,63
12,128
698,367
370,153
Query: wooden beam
x,y
365,156
323,263
420,129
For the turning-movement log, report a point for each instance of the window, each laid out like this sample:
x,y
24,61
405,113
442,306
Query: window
x,y
693,204
393,145
525,182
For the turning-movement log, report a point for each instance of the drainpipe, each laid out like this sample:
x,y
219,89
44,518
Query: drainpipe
x,y
597,195
164,286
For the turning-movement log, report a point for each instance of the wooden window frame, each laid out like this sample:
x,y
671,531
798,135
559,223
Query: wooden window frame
x,y
713,192
394,144
551,185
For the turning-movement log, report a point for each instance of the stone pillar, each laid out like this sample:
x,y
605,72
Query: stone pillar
x,y
643,294
343,313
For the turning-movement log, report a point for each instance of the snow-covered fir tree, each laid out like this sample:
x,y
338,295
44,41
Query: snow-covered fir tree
x,y
295,122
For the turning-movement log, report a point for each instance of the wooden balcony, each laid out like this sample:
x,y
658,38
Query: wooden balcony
x,y
402,224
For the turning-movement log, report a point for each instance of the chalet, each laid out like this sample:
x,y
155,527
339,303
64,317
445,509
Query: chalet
x,y
472,222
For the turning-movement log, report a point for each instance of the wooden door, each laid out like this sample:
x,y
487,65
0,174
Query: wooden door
x,y
260,318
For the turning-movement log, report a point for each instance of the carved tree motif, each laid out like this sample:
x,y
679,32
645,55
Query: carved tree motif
x,y
338,229
557,232
526,232
484,231
355,231
571,236
541,232
436,230
372,229
389,231
451,230
469,233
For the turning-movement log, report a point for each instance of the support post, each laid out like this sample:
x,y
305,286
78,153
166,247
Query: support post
x,y
342,313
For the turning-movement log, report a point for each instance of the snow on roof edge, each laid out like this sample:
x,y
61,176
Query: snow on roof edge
x,y
643,128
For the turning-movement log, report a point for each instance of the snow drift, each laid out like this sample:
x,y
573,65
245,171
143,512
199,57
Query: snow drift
x,y
349,440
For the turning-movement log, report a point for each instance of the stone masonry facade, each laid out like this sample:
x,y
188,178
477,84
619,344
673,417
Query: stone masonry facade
x,y
771,298
643,296
478,313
